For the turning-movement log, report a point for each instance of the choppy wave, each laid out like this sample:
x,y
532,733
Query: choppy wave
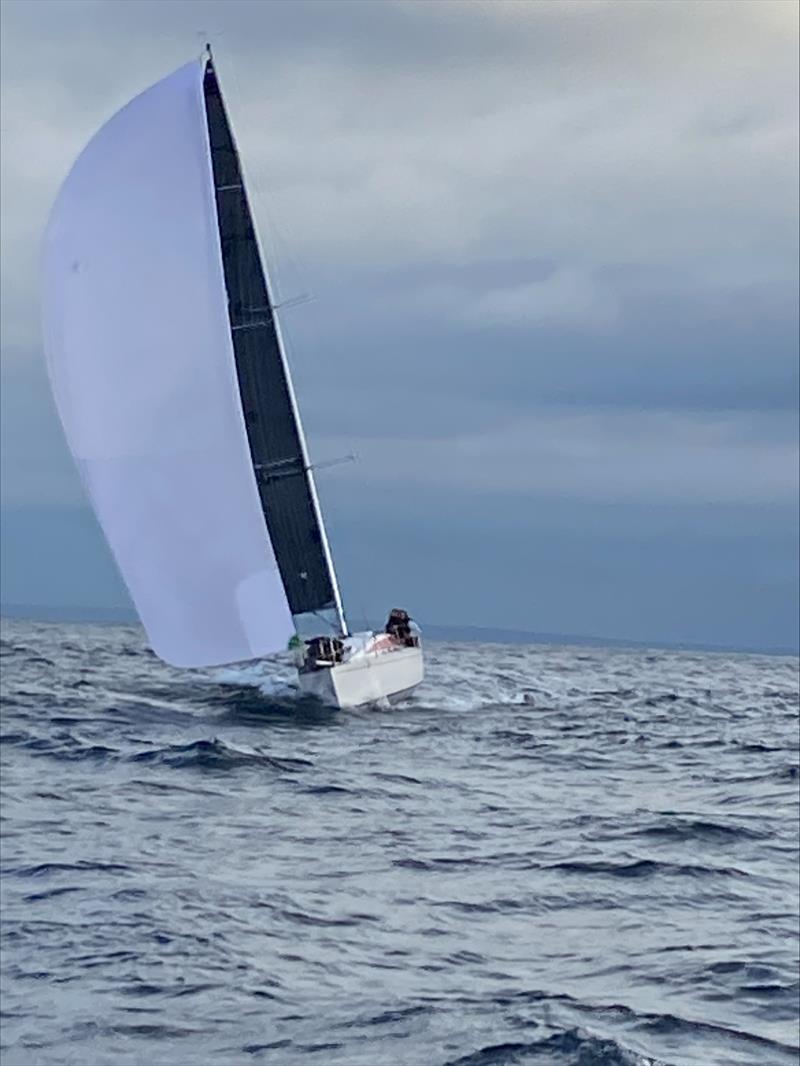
x,y
561,856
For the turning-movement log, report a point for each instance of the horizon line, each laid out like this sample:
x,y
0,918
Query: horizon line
x,y
121,615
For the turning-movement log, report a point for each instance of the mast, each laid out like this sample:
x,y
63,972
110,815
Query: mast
x,y
275,434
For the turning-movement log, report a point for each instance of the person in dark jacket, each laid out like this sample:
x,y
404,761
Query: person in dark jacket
x,y
399,627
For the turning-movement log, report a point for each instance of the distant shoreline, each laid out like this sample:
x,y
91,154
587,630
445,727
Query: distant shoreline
x,y
466,634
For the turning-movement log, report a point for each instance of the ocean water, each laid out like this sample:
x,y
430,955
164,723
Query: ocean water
x,y
202,869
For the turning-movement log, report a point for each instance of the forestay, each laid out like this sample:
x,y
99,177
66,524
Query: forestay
x,y
139,350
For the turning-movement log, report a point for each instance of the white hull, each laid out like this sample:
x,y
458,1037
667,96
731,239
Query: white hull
x,y
366,678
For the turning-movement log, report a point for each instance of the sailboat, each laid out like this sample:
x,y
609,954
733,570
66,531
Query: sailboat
x,y
169,373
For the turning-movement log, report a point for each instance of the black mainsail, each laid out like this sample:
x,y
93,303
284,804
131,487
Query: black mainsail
x,y
277,447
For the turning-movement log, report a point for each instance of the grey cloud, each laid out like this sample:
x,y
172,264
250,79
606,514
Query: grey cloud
x,y
390,132
555,253
670,349
611,456
547,565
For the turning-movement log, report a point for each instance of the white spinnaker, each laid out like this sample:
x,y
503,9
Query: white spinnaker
x,y
141,363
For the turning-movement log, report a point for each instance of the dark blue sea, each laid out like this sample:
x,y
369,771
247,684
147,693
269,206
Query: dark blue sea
x,y
199,869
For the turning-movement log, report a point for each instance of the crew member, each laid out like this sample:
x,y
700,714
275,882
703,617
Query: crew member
x,y
399,627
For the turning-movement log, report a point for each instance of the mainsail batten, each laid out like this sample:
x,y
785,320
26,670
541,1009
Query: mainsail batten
x,y
277,447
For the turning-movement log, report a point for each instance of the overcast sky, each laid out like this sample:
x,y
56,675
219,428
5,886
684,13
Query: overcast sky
x,y
553,249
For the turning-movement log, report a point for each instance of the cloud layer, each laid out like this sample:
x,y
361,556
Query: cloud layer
x,y
553,246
